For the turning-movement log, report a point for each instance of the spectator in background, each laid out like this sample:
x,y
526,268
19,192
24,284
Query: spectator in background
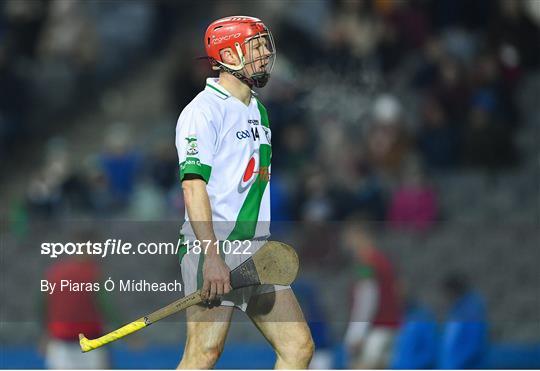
x,y
280,199
55,187
295,146
42,196
416,343
354,28
514,27
147,202
366,197
359,190
68,52
120,164
69,35
465,333
376,307
451,90
100,199
488,80
414,204
410,21
316,208
387,142
427,69
23,22
487,144
66,313
13,107
316,202
164,166
437,140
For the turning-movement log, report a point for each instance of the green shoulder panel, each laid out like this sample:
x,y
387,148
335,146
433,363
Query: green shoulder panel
x,y
264,114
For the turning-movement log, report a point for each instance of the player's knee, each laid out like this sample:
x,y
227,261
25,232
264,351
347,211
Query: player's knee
x,y
210,355
306,349
203,357
298,351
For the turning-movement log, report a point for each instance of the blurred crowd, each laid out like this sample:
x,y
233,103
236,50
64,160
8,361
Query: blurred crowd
x,y
389,94
56,56
369,102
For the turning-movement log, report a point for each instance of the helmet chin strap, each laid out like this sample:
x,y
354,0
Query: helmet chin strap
x,y
240,76
258,80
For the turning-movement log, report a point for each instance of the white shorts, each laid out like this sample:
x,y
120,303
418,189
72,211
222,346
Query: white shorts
x,y
191,269
377,347
67,355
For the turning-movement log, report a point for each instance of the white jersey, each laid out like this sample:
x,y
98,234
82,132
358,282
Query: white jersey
x,y
228,144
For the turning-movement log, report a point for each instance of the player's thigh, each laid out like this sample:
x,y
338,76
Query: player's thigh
x,y
207,328
280,319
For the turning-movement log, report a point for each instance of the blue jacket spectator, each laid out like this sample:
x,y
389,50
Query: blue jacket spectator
x,y
465,333
416,344
120,163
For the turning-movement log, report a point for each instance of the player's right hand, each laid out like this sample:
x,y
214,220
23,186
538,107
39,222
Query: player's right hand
x,y
216,278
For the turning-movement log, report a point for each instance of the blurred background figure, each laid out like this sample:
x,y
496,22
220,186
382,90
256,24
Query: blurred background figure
x,y
45,195
417,341
464,339
376,308
437,138
388,142
120,164
413,205
66,313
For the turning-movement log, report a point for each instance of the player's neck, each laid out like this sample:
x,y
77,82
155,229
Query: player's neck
x,y
237,88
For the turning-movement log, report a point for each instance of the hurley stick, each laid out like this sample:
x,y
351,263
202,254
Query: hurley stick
x,y
274,263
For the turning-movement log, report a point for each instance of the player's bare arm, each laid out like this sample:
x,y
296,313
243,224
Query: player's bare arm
x,y
215,271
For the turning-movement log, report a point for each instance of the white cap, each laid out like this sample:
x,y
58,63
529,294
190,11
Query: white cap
x,y
386,109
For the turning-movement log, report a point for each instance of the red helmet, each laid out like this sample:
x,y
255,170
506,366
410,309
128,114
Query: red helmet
x,y
236,33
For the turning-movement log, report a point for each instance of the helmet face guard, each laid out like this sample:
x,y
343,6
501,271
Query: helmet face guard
x,y
250,40
261,52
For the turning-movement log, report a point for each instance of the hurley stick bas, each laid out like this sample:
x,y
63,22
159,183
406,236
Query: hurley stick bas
x,y
274,263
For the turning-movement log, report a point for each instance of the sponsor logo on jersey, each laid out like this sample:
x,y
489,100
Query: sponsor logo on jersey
x,y
194,162
264,173
191,149
267,134
252,171
243,134
253,122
